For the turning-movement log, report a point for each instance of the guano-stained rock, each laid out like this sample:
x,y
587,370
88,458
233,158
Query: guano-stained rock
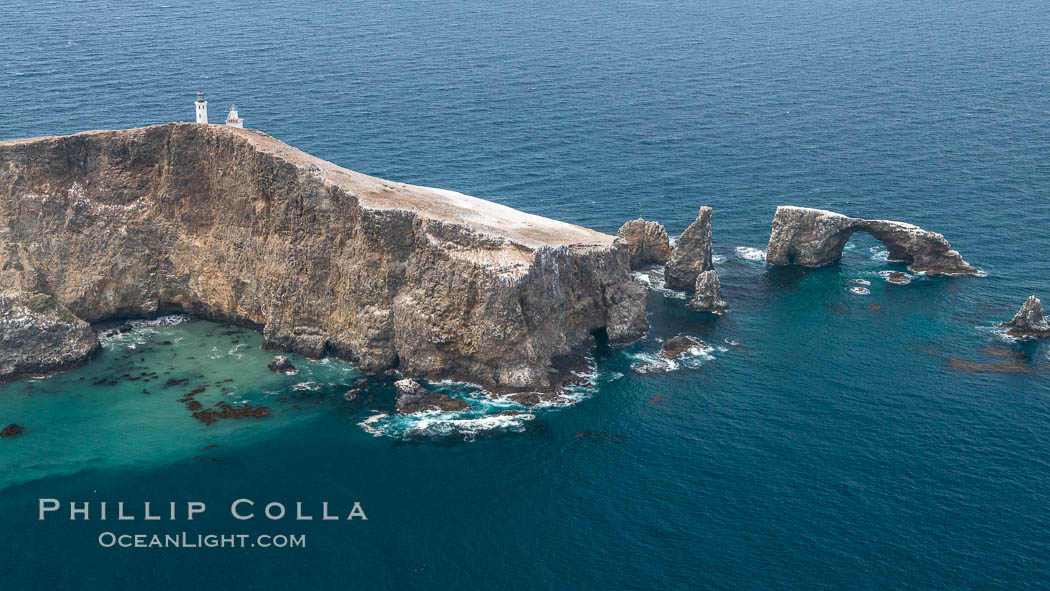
x,y
233,225
38,335
815,237
1029,321
647,243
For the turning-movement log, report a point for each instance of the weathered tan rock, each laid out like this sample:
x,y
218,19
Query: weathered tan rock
x,y
707,297
647,243
815,237
692,254
234,225
38,336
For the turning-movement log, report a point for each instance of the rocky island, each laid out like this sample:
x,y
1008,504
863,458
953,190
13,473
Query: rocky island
x,y
815,237
233,225
1029,321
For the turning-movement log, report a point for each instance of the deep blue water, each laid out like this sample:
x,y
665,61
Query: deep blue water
x,y
837,445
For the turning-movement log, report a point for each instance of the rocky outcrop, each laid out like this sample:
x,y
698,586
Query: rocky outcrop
x,y
281,364
692,254
647,243
1029,321
898,278
815,237
11,430
708,294
675,347
38,335
231,224
411,397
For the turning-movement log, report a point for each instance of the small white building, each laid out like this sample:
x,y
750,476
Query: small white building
x,y
233,120
202,108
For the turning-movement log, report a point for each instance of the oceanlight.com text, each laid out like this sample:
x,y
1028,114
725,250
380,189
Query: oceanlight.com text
x,y
188,540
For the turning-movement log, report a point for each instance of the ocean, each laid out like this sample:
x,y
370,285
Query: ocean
x,y
820,438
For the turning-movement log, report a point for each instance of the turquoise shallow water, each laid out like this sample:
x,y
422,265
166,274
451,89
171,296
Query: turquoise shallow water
x,y
893,439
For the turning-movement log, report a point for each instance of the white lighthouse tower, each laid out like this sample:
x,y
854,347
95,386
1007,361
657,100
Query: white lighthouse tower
x,y
233,120
202,108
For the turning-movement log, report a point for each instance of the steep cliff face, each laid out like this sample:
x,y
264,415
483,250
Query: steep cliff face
x,y
815,237
234,225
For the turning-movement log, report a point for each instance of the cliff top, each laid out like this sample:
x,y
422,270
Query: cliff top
x,y
485,217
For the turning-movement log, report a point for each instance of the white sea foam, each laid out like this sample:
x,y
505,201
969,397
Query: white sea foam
x,y
441,425
654,280
169,320
693,357
999,332
859,290
751,254
863,282
466,424
369,424
879,253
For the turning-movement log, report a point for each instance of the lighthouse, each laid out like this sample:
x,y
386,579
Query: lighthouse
x,y
233,120
202,108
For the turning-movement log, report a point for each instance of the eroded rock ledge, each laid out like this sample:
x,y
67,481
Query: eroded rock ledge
x,y
815,237
38,336
234,225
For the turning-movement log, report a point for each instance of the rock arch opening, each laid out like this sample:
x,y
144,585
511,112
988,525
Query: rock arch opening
x,y
815,237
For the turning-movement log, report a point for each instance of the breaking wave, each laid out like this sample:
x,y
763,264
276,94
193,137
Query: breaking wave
x,y
694,357
488,413
169,320
751,254
879,253
140,331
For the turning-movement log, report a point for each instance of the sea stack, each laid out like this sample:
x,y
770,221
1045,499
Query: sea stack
x,y
38,336
707,296
233,225
647,243
1029,321
815,237
692,254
